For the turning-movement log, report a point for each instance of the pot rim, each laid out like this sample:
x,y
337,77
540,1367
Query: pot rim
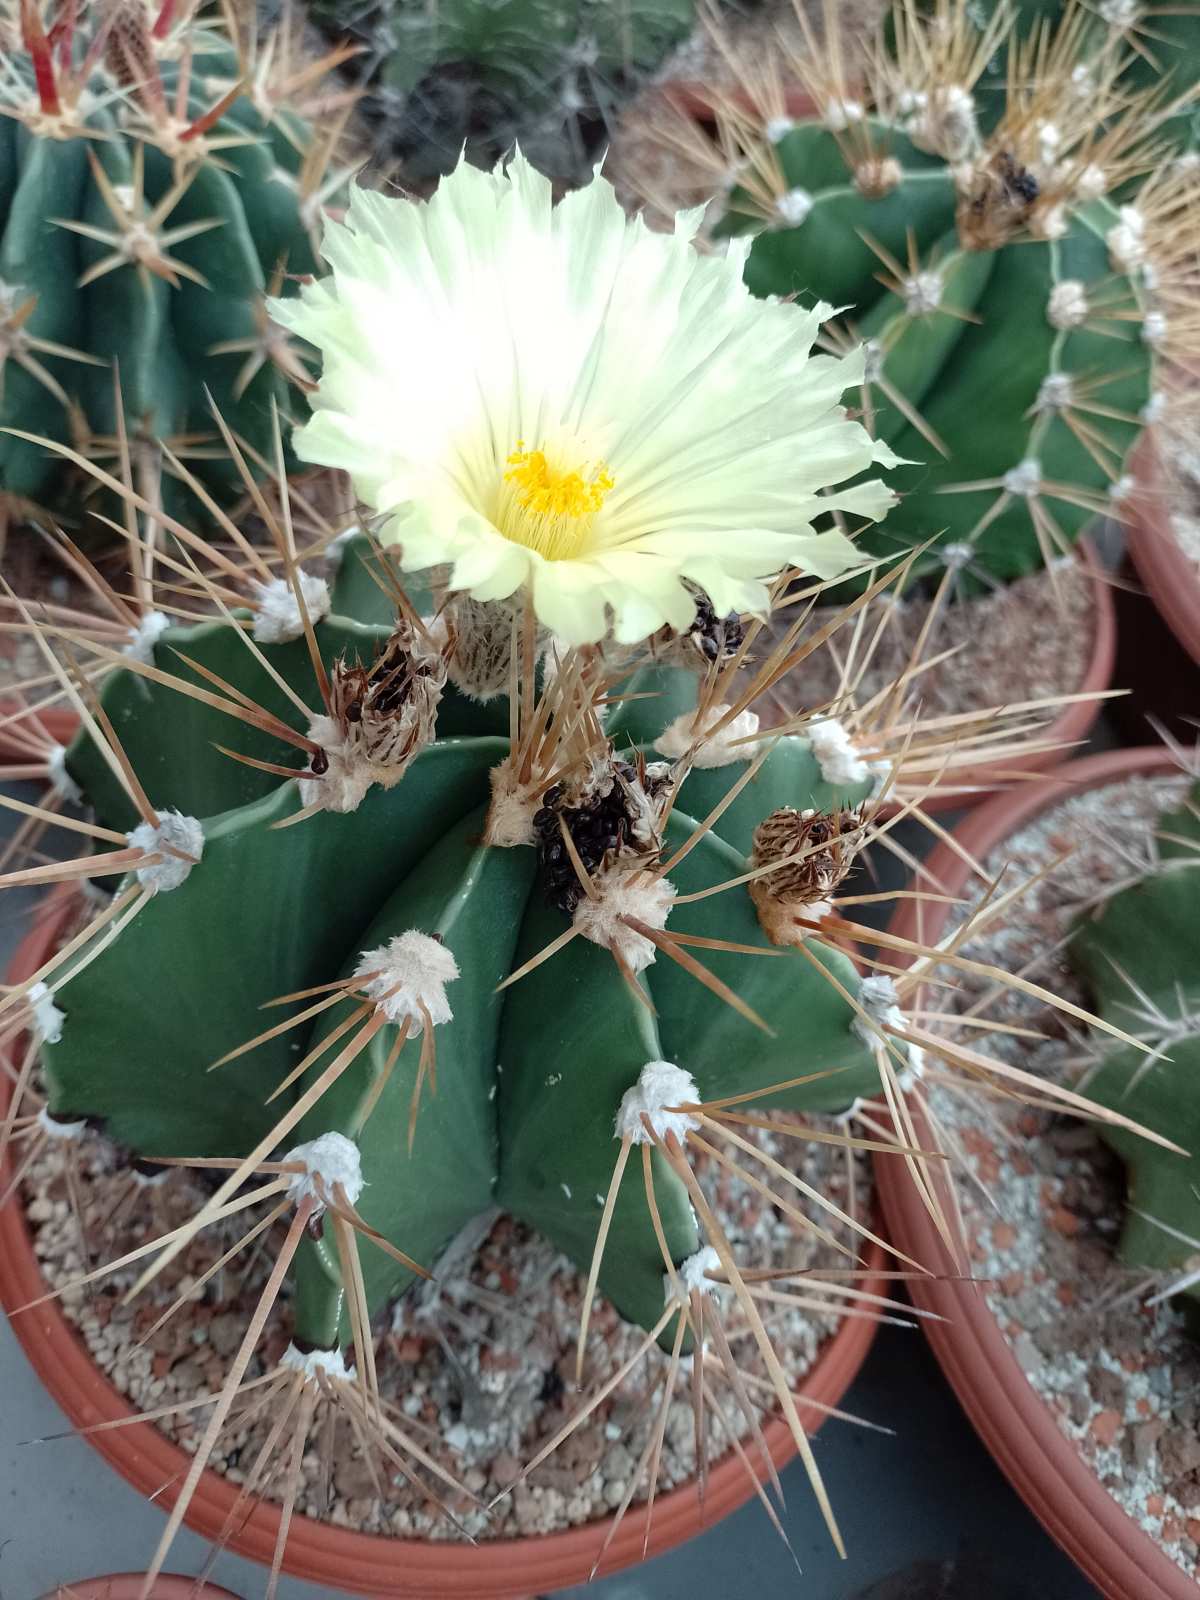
x,y
345,1559
1013,1421
127,1585
1171,580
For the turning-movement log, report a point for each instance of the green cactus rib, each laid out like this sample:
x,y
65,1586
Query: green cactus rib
x,y
528,1078
234,231
972,368
1140,956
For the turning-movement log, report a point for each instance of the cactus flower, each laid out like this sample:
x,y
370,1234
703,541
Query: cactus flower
x,y
553,397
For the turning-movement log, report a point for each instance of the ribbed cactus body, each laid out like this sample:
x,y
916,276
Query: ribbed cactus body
x,y
1140,955
147,251
981,361
528,1078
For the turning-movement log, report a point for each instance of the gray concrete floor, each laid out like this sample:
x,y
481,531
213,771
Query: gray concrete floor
x,y
925,1513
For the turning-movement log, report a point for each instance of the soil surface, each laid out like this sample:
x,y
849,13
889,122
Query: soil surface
x,y
1044,1202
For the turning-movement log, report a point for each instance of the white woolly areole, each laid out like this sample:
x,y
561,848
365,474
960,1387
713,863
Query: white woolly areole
x,y
54,1129
879,999
1092,182
912,1074
720,749
173,832
61,781
145,636
778,128
1054,391
329,1363
692,1274
794,206
1025,478
625,892
47,1017
1126,240
1154,327
660,1084
831,744
922,293
328,1159
840,114
1052,223
1155,408
411,972
277,617
957,554
1122,488
1067,306
349,775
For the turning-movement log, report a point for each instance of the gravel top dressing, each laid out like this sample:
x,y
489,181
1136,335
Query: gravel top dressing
x,y
485,1364
1044,1201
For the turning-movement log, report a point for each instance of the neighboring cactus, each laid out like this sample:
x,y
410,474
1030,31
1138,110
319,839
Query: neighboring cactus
x,y
549,75
1140,955
155,187
1016,288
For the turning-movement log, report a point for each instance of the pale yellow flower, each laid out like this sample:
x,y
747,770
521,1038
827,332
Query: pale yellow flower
x,y
552,396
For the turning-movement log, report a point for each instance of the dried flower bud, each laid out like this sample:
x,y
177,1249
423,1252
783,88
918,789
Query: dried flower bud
x,y
615,810
481,635
129,51
709,638
996,202
379,718
815,851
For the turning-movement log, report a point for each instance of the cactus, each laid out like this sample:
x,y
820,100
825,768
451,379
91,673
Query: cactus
x,y
156,184
1138,955
550,75
434,910
1018,288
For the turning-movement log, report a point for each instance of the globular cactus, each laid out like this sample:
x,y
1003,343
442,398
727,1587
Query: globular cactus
x,y
1018,275
549,75
1140,957
157,182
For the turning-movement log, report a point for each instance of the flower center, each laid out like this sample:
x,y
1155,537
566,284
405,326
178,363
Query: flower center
x,y
548,509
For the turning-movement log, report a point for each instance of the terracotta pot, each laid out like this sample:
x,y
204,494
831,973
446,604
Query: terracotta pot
x,y
1074,722
1171,580
1016,1425
128,1586
500,1569
701,101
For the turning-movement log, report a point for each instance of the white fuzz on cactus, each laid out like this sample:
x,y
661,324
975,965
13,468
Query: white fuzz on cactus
x,y
316,1364
1055,392
793,207
1067,306
61,781
145,636
63,1131
277,618
327,1160
1126,240
1025,478
47,1017
178,841
407,979
719,748
660,1084
923,293
835,753
692,1274
625,891
878,998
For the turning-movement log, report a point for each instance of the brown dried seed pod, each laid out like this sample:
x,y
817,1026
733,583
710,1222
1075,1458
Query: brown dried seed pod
x,y
615,810
709,638
815,851
129,50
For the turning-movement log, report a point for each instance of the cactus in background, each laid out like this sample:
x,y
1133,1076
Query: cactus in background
x,y
1017,288
549,75
1141,959
157,182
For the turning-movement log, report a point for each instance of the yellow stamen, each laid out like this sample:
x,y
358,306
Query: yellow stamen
x,y
550,510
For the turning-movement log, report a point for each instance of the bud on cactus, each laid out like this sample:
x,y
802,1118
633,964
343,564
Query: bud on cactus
x,y
155,186
1139,955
